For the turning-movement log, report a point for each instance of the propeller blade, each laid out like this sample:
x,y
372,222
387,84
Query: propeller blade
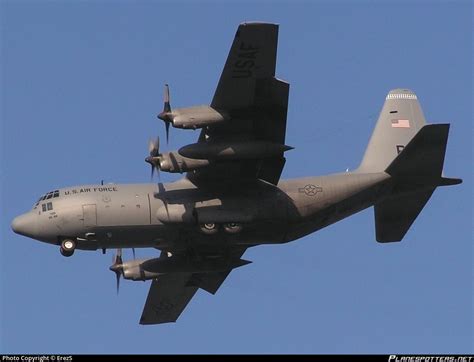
x,y
117,275
153,168
133,251
154,150
167,127
154,147
151,146
166,115
119,255
117,267
167,106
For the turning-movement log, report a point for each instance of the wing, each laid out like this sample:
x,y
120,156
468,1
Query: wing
x,y
251,57
256,102
170,293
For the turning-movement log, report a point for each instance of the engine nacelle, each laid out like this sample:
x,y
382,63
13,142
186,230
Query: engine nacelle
x,y
173,162
196,117
133,270
152,268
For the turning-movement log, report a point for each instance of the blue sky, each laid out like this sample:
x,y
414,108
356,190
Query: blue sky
x,y
81,83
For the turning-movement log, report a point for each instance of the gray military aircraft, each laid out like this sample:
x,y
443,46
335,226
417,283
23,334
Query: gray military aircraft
x,y
231,197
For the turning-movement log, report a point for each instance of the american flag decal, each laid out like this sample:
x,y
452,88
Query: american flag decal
x,y
400,123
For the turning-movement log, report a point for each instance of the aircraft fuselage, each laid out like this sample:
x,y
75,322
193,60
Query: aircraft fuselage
x,y
179,215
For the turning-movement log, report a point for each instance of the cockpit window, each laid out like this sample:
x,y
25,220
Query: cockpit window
x,y
49,195
47,206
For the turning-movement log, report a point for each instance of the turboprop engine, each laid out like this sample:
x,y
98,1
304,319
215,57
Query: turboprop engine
x,y
171,162
195,117
189,117
146,269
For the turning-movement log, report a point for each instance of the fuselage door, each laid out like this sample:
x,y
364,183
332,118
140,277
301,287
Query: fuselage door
x,y
90,215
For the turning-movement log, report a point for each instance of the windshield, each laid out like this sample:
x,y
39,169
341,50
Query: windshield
x,y
47,196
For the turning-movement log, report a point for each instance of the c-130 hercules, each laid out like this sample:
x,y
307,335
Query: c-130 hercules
x,y
231,197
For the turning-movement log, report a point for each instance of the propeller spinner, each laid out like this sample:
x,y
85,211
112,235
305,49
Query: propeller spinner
x,y
166,115
154,158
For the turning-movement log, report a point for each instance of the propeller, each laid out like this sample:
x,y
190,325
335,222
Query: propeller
x,y
154,149
166,115
117,267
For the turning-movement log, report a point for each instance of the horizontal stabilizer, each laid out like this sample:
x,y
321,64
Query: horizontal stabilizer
x,y
393,217
210,282
423,156
448,181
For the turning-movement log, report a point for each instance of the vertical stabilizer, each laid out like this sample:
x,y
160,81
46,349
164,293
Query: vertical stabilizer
x,y
399,121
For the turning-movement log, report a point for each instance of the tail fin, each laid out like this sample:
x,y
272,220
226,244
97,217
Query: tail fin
x,y
400,120
416,173
412,153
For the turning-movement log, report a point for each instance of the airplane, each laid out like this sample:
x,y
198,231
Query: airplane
x,y
231,197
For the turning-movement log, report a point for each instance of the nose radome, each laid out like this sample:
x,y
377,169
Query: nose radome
x,y
25,224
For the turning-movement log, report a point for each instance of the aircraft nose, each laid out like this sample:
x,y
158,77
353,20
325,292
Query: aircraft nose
x,y
25,224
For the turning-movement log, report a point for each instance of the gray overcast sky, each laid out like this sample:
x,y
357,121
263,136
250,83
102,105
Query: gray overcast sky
x,y
81,84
